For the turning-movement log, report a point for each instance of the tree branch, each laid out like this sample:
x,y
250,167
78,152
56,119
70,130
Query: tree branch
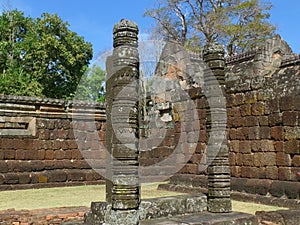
x,y
182,17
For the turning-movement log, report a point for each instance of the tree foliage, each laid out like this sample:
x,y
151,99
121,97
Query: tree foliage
x,y
92,85
238,24
40,57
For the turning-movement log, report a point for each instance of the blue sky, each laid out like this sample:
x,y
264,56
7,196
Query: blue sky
x,y
94,19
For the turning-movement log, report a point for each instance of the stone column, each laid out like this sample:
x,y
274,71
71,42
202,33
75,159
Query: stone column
x,y
217,150
122,185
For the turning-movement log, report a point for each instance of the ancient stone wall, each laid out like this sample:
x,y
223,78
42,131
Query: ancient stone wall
x,y
38,146
263,122
174,128
175,142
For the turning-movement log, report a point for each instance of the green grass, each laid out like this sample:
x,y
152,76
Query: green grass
x,y
84,195
251,208
66,196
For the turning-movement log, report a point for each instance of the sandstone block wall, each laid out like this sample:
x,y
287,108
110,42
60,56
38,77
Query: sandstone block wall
x,y
263,114
263,121
263,127
171,136
37,143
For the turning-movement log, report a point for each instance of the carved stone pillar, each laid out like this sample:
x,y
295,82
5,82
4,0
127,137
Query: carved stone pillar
x,y
217,150
122,185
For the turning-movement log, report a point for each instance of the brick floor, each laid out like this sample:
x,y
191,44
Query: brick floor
x,y
51,216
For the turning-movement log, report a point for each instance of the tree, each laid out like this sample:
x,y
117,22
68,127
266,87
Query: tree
x,y
238,24
42,54
92,85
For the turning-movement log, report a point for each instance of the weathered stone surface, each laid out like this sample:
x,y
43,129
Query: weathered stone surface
x,y
122,217
171,206
206,218
217,151
220,205
122,133
150,208
290,217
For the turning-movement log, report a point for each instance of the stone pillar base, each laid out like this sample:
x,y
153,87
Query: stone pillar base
x,y
102,213
219,205
121,217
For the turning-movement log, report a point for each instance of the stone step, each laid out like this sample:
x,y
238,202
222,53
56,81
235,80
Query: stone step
x,y
206,218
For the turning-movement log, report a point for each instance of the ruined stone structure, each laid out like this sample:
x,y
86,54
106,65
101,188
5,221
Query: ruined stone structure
x,y
262,95
123,205
38,147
